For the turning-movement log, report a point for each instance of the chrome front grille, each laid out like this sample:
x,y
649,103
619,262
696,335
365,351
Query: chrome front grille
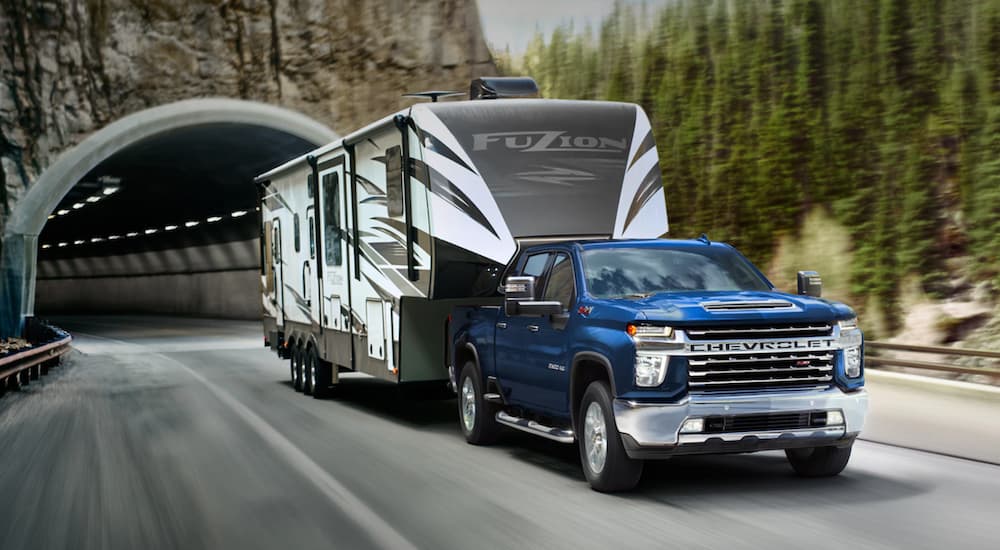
x,y
735,332
755,369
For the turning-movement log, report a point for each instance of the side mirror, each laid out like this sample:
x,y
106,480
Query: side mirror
x,y
515,291
810,284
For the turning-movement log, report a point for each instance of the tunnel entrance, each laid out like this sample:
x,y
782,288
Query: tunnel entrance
x,y
155,213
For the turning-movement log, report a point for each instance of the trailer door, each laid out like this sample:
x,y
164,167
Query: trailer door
x,y
277,272
336,307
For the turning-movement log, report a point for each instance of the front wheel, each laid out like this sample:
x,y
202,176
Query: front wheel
x,y
819,461
476,416
607,467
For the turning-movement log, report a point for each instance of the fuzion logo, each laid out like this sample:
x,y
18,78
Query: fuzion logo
x,y
548,141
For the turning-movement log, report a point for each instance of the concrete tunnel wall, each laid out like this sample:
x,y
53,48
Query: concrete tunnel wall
x,y
218,280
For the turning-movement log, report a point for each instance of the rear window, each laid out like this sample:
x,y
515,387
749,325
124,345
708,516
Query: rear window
x,y
639,272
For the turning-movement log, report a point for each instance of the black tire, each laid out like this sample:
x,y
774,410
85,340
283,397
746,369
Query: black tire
x,y
324,377
297,360
308,370
819,461
483,428
288,354
619,472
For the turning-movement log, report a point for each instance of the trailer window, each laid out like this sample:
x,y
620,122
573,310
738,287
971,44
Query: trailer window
x,y
560,287
394,180
297,233
311,222
331,217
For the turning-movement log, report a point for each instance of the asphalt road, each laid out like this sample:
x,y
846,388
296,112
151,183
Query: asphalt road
x,y
179,433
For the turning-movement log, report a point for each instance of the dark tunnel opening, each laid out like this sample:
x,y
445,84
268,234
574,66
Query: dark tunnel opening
x,y
165,225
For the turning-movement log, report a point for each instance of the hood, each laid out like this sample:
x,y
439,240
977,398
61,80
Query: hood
x,y
737,307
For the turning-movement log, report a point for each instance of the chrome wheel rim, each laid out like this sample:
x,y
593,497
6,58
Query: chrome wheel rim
x,y
595,440
468,405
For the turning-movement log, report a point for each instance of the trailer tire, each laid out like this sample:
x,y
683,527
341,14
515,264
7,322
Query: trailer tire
x,y
308,370
324,376
819,461
297,360
605,463
476,416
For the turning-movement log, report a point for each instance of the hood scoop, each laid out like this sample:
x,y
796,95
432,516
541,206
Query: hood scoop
x,y
747,306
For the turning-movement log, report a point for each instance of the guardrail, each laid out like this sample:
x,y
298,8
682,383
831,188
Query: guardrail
x,y
879,361
18,369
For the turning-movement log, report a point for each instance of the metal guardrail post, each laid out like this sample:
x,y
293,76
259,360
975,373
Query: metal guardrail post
x,y
876,361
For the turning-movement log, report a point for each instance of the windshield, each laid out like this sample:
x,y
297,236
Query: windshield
x,y
639,272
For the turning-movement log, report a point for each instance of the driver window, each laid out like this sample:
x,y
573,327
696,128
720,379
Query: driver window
x,y
561,286
535,267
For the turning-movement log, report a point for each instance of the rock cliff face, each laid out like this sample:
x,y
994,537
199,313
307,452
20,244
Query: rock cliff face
x,y
70,67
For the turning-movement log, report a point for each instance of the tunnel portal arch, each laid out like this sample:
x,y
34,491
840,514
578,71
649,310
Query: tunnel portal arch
x,y
28,217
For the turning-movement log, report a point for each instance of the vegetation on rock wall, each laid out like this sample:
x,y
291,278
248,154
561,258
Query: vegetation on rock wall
x,y
885,113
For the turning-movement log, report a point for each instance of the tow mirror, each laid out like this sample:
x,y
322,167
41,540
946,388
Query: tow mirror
x,y
810,284
517,290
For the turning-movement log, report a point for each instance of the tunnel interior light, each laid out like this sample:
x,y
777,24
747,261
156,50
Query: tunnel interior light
x,y
63,244
79,241
191,224
77,205
213,219
110,190
62,212
96,239
239,213
151,231
46,246
114,237
94,199
170,228
131,234
52,216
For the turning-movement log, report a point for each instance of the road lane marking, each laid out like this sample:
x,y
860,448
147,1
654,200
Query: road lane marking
x,y
380,531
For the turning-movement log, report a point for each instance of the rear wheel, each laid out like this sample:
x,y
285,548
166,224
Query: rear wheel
x,y
476,416
323,376
819,461
607,467
308,371
297,360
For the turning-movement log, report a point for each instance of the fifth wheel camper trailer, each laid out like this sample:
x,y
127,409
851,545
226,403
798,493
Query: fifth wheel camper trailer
x,y
368,242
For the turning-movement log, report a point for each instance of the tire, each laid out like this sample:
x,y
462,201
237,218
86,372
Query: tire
x,y
308,370
598,435
819,461
324,377
297,360
476,416
291,362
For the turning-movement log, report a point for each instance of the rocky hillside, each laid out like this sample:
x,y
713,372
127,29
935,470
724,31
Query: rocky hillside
x,y
69,67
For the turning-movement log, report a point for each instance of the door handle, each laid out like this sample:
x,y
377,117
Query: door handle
x,y
501,325
533,328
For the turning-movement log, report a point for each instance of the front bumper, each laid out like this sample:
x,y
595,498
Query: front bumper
x,y
652,430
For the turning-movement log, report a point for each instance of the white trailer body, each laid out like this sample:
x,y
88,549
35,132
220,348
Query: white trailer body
x,y
368,242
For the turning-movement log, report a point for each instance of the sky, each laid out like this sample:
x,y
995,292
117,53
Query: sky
x,y
513,22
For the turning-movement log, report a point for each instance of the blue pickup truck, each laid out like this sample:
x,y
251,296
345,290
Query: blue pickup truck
x,y
647,349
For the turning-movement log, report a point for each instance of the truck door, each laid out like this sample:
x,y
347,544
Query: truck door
x,y
336,306
547,366
515,342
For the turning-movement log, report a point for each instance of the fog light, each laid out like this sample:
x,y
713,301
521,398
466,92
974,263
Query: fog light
x,y
650,369
834,418
693,426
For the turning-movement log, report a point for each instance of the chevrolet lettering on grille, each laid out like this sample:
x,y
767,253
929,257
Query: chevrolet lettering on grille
x,y
760,345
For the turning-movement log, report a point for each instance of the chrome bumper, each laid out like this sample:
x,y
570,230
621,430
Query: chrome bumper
x,y
653,430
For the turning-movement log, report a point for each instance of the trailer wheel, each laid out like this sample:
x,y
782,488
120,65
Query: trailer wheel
x,y
323,376
607,467
476,416
297,360
291,363
819,461
308,371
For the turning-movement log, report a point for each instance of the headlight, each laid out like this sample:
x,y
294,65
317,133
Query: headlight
x,y
650,369
850,341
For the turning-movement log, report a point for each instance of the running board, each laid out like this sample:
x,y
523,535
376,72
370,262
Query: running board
x,y
532,427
